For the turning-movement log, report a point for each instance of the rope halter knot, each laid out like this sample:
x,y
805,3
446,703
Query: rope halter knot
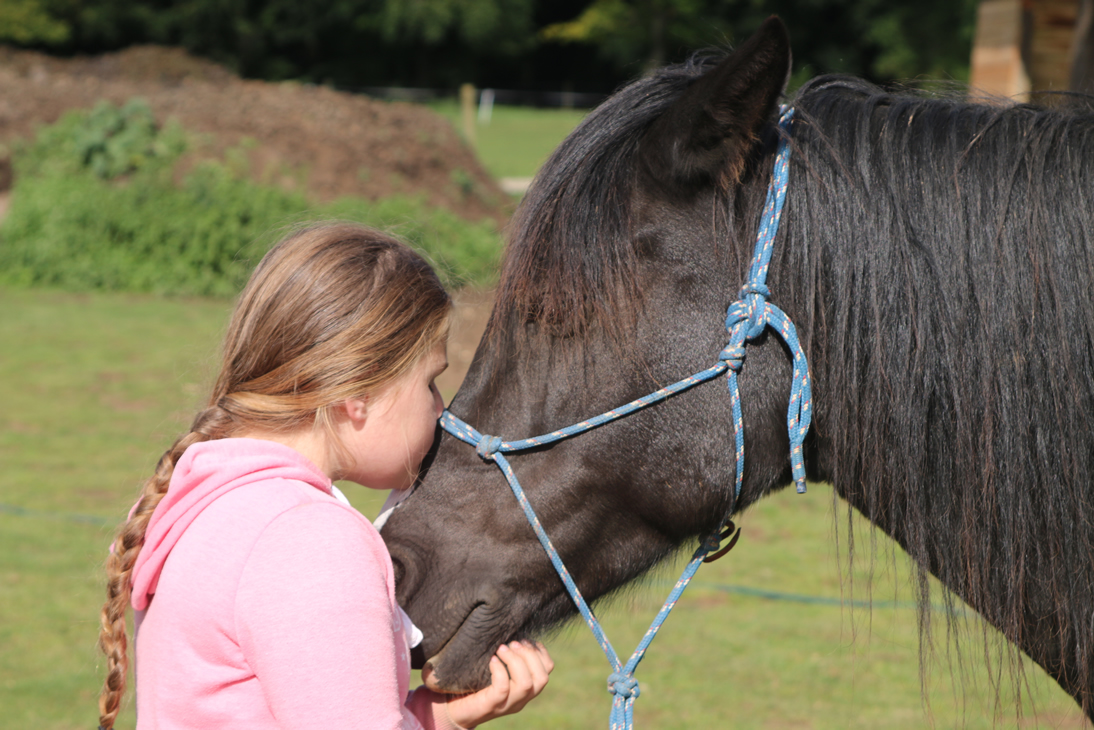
x,y
733,356
754,294
623,685
488,446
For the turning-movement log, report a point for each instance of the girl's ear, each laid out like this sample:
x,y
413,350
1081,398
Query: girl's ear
x,y
356,409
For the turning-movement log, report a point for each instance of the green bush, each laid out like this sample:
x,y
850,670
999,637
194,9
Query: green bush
x,y
116,141
96,206
108,140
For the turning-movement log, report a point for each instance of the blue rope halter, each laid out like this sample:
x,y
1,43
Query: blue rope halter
x,y
746,319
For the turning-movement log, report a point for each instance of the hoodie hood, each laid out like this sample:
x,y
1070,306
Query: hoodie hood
x,y
205,472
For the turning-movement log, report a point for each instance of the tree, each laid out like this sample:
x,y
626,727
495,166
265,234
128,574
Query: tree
x,y
503,26
932,39
628,30
878,39
590,45
31,22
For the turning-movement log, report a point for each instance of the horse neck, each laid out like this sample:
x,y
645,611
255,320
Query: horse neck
x,y
923,250
941,256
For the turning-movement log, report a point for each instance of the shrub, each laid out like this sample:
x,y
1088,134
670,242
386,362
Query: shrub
x,y
109,141
96,206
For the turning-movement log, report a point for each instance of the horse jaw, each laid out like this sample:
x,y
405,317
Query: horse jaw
x,y
478,579
466,579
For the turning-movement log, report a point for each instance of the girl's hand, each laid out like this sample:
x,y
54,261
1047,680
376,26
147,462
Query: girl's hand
x,y
518,672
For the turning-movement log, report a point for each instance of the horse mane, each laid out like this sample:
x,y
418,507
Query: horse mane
x,y
941,255
570,258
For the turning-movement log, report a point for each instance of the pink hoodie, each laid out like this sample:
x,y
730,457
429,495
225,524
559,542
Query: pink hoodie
x,y
263,602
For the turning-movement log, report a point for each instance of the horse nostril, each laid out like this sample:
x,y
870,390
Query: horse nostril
x,y
406,571
399,570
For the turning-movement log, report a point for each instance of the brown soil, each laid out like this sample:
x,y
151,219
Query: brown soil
x,y
469,316
325,142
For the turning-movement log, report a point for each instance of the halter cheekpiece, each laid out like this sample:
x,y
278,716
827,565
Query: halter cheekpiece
x,y
746,319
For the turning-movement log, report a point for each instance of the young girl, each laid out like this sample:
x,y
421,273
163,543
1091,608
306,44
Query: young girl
x,y
263,600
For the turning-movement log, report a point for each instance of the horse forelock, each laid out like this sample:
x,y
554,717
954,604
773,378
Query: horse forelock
x,y
570,260
941,256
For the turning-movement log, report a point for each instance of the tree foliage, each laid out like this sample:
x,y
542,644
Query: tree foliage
x,y
591,45
626,30
503,25
29,22
933,39
878,39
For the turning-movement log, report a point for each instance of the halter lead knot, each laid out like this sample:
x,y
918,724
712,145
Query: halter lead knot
x,y
733,356
488,446
623,685
754,294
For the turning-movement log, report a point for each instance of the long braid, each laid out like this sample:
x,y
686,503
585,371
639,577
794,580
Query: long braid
x,y
211,423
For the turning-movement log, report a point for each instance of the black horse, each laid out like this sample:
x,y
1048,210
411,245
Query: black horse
x,y
937,257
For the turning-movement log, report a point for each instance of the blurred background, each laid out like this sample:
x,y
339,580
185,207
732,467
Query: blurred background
x,y
152,150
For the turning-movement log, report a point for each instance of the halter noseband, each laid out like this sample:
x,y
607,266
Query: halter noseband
x,y
746,319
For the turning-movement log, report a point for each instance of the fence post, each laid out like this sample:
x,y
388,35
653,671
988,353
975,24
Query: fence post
x,y
486,104
467,106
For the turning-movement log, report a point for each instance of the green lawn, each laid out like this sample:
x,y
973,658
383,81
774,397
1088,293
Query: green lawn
x,y
517,140
94,387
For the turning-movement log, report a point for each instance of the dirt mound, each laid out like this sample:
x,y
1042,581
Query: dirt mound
x,y
328,143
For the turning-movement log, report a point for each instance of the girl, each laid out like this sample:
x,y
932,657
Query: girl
x,y
262,599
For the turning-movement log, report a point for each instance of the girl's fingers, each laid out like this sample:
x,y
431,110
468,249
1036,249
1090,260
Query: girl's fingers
x,y
486,704
545,658
534,657
527,673
499,683
520,675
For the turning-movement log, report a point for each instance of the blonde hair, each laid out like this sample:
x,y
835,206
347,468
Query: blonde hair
x,y
332,312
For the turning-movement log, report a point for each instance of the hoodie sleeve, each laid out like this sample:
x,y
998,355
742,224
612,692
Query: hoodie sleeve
x,y
315,620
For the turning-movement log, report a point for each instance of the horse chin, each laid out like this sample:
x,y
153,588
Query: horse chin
x,y
463,664
450,674
444,682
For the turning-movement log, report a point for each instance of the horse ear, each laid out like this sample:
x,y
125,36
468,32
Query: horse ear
x,y
707,133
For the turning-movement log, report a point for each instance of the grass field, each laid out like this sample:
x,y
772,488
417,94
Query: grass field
x,y
94,387
517,140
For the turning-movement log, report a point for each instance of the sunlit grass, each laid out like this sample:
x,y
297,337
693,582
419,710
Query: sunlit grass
x,y
94,387
517,140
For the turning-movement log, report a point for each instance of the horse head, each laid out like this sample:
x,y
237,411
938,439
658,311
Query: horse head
x,y
624,255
